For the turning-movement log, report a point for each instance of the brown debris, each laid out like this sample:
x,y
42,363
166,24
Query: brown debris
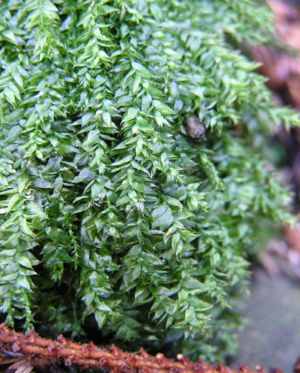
x,y
281,256
287,17
282,9
297,366
281,68
33,351
292,235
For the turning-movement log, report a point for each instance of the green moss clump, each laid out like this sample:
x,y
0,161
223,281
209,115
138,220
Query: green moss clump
x,y
110,215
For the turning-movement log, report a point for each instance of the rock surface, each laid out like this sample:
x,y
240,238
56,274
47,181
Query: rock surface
x,y
271,336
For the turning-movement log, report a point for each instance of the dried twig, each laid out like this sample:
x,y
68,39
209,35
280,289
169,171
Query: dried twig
x,y
38,351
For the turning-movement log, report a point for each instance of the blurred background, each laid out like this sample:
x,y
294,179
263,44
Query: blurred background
x,y
271,334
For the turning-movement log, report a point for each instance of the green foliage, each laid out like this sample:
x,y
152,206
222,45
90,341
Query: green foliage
x,y
109,213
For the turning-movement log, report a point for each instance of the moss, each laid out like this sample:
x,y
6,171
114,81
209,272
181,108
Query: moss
x,y
112,216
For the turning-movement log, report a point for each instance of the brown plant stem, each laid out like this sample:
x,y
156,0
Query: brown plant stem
x,y
40,351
